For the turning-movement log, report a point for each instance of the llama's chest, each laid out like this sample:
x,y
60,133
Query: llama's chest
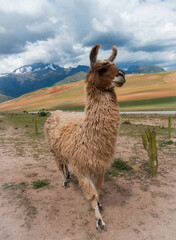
x,y
93,156
92,163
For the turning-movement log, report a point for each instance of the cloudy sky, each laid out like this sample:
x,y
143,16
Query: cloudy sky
x,y
63,31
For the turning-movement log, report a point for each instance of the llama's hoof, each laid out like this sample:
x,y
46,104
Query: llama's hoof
x,y
100,225
100,207
64,184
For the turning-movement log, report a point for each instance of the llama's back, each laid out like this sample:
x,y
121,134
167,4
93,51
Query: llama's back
x,y
60,122
51,124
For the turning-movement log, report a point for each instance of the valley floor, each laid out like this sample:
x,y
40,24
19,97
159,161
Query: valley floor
x,y
136,205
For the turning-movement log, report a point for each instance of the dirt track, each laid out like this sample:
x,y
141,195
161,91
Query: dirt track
x,y
136,206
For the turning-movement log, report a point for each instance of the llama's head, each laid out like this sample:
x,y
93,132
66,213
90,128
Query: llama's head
x,y
105,74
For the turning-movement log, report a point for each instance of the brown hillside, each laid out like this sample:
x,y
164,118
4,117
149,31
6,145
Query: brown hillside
x,y
138,87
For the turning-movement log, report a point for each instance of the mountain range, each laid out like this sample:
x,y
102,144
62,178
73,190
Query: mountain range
x,y
32,77
29,78
144,69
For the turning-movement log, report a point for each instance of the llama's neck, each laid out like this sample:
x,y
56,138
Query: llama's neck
x,y
101,118
101,108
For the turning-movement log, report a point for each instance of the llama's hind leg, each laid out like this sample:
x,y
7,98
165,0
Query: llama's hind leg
x,y
91,194
61,167
64,176
68,176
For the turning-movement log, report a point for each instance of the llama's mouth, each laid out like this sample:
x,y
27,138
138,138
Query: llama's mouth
x,y
119,84
118,81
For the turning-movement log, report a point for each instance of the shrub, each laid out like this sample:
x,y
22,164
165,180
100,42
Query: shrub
x,y
121,165
165,143
39,183
42,113
126,122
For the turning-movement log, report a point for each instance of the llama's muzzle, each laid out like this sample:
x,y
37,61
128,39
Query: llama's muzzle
x,y
119,79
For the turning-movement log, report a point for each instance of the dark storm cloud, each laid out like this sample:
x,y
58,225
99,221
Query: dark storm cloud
x,y
156,46
18,29
107,40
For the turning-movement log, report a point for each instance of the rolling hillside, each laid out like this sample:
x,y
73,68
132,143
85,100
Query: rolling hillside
x,y
4,98
73,78
33,77
144,69
155,91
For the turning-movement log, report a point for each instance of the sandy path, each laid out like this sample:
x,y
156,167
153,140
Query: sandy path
x,y
135,206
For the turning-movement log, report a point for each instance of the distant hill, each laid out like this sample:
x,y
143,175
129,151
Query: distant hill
x,y
140,92
73,78
144,69
32,77
79,68
4,98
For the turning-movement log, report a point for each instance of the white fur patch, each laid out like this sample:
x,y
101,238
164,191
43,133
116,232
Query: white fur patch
x,y
119,79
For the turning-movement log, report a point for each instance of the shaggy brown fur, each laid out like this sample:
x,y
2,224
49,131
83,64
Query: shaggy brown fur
x,y
86,142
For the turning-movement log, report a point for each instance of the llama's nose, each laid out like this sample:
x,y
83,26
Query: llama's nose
x,y
120,73
121,76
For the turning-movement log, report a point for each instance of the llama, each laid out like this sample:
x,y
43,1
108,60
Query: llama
x,y
85,143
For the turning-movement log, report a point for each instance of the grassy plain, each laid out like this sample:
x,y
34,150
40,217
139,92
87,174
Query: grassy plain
x,y
34,204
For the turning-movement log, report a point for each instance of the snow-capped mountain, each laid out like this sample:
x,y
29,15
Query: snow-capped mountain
x,y
3,74
35,76
38,67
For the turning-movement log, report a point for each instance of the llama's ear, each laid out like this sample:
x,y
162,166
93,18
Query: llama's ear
x,y
93,55
113,55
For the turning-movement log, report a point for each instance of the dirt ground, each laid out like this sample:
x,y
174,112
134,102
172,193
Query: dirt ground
x,y
136,205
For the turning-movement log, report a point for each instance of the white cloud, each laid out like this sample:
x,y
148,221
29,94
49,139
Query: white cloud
x,y
29,7
2,30
63,32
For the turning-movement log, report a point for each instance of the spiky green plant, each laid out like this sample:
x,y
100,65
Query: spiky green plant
x,y
169,127
36,126
149,143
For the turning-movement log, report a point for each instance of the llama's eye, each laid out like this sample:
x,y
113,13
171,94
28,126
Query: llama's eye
x,y
101,71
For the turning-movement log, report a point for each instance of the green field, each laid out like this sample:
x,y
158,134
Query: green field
x,y
150,104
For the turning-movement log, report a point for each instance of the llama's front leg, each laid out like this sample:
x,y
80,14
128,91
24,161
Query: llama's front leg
x,y
100,224
99,182
91,194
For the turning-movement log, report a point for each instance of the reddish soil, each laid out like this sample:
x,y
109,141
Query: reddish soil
x,y
31,100
170,78
147,94
136,205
